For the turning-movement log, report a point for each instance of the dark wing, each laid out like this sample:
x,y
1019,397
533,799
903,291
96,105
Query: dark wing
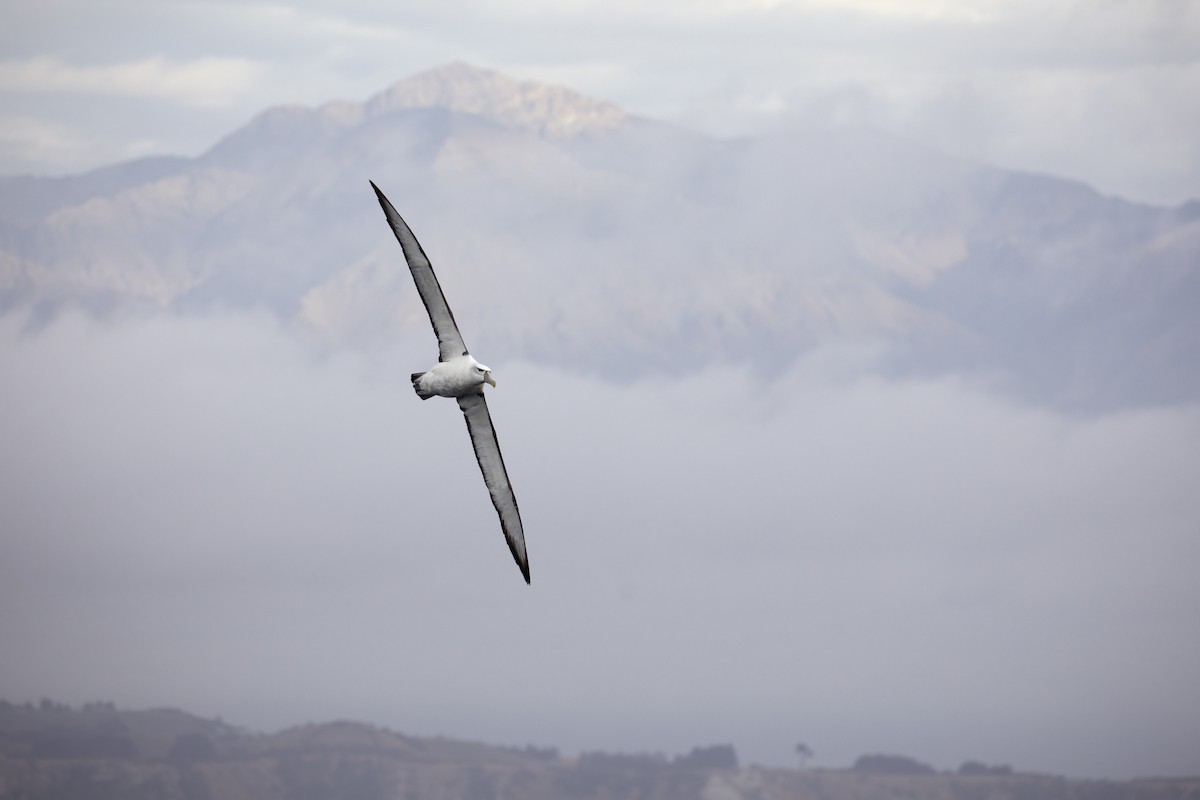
x,y
450,343
487,452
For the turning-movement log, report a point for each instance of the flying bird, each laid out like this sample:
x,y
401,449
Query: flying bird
x,y
457,374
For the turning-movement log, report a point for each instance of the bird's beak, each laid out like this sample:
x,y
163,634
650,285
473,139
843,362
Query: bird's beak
x,y
487,376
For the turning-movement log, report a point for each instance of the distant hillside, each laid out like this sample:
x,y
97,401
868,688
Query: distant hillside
x,y
571,232
51,752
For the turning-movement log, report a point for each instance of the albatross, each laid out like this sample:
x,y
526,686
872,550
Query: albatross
x,y
457,374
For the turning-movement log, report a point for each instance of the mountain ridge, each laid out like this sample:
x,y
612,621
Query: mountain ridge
x,y
671,250
553,112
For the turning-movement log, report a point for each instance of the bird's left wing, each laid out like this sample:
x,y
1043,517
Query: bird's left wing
x,y
491,463
450,342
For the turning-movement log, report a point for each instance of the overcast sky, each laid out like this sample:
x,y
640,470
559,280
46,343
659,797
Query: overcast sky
x,y
201,512
1105,91
204,511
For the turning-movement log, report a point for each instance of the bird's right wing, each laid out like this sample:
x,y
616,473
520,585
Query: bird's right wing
x,y
491,463
450,342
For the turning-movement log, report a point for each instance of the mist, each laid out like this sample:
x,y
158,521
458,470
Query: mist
x,y
1059,87
213,511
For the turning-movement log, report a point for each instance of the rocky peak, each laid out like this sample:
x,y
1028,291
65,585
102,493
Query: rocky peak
x,y
552,111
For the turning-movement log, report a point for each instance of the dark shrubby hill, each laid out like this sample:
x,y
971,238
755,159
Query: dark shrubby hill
x,y
50,751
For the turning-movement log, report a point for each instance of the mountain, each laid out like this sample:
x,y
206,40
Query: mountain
x,y
53,752
568,231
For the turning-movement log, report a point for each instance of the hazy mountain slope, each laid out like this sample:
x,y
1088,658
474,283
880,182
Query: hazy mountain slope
x,y
567,230
26,199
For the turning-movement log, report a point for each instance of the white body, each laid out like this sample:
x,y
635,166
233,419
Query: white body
x,y
455,378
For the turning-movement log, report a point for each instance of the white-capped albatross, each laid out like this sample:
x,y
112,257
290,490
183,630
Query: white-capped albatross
x,y
458,375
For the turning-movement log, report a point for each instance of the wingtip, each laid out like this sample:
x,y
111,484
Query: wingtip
x,y
521,558
519,554
388,209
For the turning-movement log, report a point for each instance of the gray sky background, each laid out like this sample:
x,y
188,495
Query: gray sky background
x,y
213,515
212,512
1104,91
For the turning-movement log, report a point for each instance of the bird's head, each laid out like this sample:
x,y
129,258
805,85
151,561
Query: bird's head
x,y
484,373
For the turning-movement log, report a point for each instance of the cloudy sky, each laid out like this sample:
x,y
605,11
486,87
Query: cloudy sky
x,y
1104,91
203,512
209,511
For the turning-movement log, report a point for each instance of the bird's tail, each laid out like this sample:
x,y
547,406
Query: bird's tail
x,y
416,381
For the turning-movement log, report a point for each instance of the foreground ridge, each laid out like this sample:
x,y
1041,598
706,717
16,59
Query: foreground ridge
x,y
51,750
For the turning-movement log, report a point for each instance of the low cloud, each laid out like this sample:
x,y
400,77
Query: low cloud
x,y
206,82
37,143
1064,122
206,512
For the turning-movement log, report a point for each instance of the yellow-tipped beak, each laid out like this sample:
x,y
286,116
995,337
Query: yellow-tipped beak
x,y
488,377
